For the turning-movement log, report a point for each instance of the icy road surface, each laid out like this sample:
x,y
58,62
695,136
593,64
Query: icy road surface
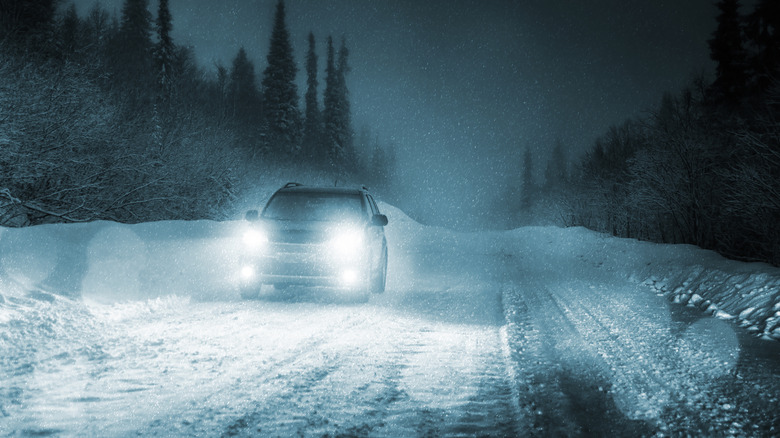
x,y
535,332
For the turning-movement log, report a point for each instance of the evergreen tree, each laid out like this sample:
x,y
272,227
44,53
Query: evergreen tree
x,y
28,24
556,173
221,92
131,55
69,31
242,90
346,132
280,93
311,128
338,128
727,49
763,30
165,50
97,33
330,103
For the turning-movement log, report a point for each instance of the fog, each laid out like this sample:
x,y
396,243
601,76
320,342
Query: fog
x,y
461,88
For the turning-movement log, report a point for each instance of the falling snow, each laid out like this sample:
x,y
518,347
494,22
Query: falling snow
x,y
112,329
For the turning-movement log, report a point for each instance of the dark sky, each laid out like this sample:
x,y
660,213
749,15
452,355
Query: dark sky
x,y
463,86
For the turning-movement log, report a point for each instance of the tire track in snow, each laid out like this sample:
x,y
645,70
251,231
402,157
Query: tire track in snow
x,y
567,382
378,372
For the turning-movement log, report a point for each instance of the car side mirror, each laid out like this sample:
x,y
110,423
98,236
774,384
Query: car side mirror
x,y
252,215
379,220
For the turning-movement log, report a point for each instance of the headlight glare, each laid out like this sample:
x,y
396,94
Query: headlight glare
x,y
348,243
254,238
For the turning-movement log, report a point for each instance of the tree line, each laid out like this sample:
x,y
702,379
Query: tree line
x,y
106,117
703,167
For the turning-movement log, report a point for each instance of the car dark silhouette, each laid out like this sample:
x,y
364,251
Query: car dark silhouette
x,y
316,236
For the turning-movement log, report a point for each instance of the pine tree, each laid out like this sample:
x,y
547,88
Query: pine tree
x,y
346,133
338,126
97,34
131,55
557,170
242,90
280,93
165,50
28,24
311,128
330,104
69,31
727,49
763,30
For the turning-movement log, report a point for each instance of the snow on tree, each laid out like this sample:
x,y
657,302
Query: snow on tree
x,y
282,117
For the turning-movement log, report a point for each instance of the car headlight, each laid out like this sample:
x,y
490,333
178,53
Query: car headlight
x,y
254,238
347,243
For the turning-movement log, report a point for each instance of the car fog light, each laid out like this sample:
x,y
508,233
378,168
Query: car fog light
x,y
349,277
248,273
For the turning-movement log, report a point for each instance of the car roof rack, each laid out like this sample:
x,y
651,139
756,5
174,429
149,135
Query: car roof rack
x,y
292,184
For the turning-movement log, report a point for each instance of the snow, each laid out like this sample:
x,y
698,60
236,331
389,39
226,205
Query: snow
x,y
110,329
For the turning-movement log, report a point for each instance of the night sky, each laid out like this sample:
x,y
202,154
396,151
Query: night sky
x,y
462,87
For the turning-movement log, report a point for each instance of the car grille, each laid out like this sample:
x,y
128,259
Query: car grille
x,y
297,237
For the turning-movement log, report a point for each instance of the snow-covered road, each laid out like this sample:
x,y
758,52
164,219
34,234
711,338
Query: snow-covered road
x,y
538,331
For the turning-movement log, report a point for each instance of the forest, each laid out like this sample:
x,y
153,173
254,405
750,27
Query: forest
x,y
106,117
702,168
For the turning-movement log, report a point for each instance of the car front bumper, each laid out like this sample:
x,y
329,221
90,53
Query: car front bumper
x,y
306,265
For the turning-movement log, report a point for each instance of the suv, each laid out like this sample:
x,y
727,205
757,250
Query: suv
x,y
316,236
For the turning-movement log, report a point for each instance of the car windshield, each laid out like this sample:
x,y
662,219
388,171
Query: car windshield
x,y
308,206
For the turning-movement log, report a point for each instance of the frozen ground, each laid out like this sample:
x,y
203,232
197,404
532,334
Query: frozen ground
x,y
110,329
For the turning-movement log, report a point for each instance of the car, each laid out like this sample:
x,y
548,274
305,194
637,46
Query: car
x,y
329,237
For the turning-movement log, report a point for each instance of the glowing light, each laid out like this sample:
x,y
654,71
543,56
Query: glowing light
x,y
255,238
349,277
248,273
347,243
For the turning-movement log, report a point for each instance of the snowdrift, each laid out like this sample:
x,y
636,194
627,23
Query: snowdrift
x,y
747,293
109,262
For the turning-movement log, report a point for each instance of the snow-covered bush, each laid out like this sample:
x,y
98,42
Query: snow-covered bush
x,y
69,153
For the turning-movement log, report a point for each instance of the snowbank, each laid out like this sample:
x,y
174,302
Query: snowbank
x,y
747,293
110,262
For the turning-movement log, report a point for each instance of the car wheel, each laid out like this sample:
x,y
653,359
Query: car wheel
x,y
379,277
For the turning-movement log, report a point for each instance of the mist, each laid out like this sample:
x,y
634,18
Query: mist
x,y
461,88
